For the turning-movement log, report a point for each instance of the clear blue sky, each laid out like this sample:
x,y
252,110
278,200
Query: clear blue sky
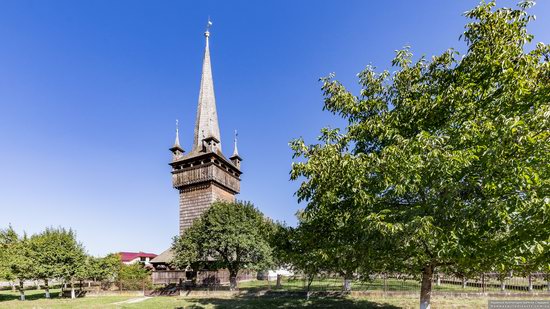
x,y
90,90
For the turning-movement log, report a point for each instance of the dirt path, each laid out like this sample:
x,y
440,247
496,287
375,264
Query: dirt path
x,y
131,301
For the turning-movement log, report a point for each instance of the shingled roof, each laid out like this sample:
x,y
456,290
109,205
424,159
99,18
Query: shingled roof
x,y
207,117
165,257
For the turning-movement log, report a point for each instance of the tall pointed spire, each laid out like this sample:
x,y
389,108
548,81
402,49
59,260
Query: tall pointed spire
x,y
207,116
177,141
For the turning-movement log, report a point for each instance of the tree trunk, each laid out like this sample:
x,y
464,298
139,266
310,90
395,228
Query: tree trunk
x,y
309,281
73,295
347,284
502,285
464,282
13,288
530,283
232,280
279,285
47,288
426,288
21,290
438,283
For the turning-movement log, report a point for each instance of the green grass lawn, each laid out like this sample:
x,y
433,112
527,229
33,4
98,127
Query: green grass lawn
x,y
329,284
274,299
36,299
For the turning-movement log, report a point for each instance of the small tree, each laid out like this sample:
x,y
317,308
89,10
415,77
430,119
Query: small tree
x,y
106,268
7,238
133,276
228,235
299,249
45,249
279,241
18,263
70,257
109,267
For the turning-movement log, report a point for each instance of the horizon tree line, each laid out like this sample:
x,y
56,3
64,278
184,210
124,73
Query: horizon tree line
x,y
55,254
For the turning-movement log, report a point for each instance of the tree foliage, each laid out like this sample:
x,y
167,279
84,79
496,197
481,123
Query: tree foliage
x,y
134,276
447,158
17,262
234,236
8,237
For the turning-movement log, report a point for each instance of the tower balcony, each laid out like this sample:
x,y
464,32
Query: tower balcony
x,y
209,167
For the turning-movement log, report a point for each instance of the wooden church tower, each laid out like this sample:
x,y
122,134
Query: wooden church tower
x,y
204,175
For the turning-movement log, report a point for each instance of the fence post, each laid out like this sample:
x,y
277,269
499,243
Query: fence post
x,y
438,282
483,282
385,283
530,278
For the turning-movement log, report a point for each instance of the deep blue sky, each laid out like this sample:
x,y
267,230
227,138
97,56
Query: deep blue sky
x,y
90,90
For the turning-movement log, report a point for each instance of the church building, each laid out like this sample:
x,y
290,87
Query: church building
x,y
203,175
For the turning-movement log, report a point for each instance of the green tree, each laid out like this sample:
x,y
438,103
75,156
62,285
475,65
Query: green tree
x,y
87,270
17,258
448,158
300,247
133,276
69,257
103,269
107,267
232,236
7,238
45,252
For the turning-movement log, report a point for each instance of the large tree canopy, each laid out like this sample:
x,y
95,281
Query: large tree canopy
x,y
233,236
447,157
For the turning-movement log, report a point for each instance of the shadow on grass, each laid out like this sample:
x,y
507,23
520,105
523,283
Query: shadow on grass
x,y
28,296
286,300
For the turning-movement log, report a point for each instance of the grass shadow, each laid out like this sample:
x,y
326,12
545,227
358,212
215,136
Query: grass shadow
x,y
274,299
28,296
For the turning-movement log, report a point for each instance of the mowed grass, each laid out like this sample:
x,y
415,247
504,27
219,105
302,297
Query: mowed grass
x,y
36,299
330,284
272,301
248,299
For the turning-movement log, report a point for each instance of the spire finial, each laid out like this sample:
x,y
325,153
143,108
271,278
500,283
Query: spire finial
x,y
177,142
235,150
208,25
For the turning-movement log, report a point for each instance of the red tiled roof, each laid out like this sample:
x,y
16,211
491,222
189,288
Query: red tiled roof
x,y
129,256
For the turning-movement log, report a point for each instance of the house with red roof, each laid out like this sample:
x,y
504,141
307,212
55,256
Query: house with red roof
x,y
136,257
